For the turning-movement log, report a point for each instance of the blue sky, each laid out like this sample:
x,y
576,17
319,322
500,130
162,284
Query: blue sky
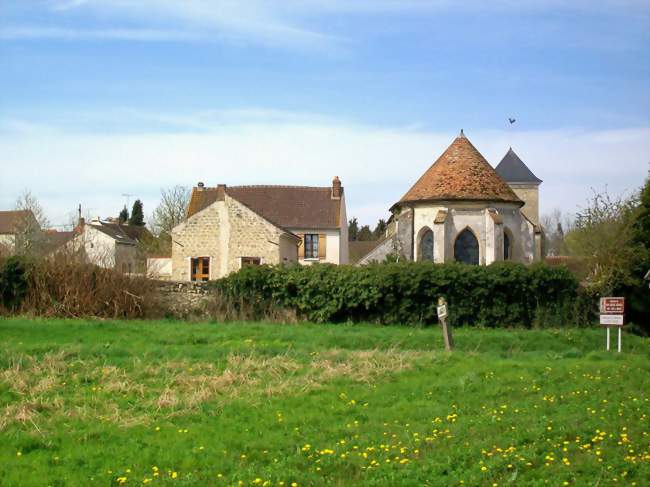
x,y
105,97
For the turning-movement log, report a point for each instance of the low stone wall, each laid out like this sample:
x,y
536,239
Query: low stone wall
x,y
184,298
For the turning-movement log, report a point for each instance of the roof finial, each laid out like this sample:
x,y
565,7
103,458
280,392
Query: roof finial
x,y
462,134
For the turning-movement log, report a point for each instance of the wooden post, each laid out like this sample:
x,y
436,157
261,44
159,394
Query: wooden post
x,y
446,329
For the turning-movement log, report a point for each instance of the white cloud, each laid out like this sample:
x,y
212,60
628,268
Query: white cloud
x,y
295,24
253,21
377,166
142,35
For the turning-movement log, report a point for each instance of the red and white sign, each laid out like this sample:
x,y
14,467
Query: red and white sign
x,y
612,306
612,311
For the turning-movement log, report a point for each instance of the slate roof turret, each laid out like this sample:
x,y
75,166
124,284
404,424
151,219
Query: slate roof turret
x,y
513,170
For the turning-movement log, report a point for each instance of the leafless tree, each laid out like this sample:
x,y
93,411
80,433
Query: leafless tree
x,y
171,210
27,201
30,238
555,225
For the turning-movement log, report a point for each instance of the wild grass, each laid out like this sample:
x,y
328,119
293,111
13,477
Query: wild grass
x,y
143,402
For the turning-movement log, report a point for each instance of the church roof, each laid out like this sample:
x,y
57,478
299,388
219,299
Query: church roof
x,y
461,173
513,170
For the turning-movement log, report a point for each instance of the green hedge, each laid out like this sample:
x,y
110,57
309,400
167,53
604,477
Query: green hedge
x,y
502,294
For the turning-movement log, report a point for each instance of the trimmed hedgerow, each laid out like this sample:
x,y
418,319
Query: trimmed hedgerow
x,y
502,294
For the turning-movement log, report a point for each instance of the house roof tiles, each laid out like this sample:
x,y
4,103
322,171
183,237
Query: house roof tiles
x,y
298,207
115,231
461,173
10,220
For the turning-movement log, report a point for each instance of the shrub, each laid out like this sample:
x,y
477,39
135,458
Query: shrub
x,y
13,282
70,288
502,294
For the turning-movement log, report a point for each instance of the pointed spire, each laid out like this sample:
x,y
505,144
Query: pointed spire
x,y
513,170
462,134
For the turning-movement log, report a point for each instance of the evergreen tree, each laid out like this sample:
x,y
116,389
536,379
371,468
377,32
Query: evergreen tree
x,y
124,215
365,234
353,229
642,224
137,214
380,229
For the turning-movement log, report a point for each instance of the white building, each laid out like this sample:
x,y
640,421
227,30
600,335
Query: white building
x,y
462,210
107,244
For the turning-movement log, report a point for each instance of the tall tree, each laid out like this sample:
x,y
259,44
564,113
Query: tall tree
x,y
380,229
171,210
27,201
137,214
642,224
353,229
30,238
124,215
365,233
602,237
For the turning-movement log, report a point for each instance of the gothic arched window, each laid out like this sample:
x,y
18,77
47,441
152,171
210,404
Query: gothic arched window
x,y
426,246
466,248
507,249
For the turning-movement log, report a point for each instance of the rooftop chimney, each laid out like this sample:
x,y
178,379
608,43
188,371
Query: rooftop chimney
x,y
337,190
201,185
80,225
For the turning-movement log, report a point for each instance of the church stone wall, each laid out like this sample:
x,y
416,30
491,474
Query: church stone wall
x,y
474,215
405,233
529,194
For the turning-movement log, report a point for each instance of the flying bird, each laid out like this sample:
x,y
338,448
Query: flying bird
x,y
512,120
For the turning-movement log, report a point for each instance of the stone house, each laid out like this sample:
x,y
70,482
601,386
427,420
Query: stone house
x,y
228,227
18,231
107,244
461,209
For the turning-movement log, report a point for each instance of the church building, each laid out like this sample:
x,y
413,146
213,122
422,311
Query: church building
x,y
463,210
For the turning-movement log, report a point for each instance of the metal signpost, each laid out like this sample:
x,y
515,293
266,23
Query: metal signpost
x,y
441,310
612,314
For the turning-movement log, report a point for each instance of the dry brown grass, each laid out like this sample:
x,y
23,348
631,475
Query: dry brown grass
x,y
64,386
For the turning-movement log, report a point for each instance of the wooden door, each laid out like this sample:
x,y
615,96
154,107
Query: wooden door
x,y
200,269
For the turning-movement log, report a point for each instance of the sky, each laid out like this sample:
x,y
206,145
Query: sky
x,y
105,101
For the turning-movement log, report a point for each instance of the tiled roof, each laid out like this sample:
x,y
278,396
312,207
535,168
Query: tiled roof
x,y
115,231
513,170
10,220
461,173
285,206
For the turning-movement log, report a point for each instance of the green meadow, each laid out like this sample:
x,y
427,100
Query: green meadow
x,y
173,403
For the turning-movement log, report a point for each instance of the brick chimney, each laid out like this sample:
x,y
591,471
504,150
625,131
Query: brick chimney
x,y
337,190
79,229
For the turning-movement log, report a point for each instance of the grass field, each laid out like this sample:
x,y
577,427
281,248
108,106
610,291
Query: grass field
x,y
132,403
